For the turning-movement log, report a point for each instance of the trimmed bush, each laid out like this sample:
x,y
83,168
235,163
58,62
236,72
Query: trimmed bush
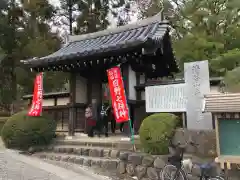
x,y
2,122
155,132
22,131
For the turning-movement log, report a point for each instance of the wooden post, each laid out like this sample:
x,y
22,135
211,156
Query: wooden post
x,y
184,120
217,134
72,109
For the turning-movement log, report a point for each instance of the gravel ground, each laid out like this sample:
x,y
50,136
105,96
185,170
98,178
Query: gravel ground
x,y
77,168
10,169
14,166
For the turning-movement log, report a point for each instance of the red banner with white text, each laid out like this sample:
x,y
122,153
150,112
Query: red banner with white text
x,y
118,97
36,106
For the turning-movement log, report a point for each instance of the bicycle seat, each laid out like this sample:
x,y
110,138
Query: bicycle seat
x,y
205,166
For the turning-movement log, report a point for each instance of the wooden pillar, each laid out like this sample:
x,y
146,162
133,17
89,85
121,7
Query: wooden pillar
x,y
184,120
72,108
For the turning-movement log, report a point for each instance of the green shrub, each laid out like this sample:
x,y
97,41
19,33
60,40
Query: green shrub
x,y
155,132
2,122
21,131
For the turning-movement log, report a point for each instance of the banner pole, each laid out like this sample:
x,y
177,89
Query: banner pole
x,y
129,121
132,134
130,126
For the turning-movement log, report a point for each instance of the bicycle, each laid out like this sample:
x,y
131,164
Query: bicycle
x,y
178,171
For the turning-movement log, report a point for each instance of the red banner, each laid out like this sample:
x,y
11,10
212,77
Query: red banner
x,y
117,92
36,107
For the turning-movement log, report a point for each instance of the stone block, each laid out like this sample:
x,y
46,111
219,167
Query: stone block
x,y
109,165
65,158
42,156
135,159
58,158
69,150
112,165
85,152
56,150
159,163
95,163
62,150
123,156
96,153
77,151
32,150
140,171
52,157
79,161
121,167
114,153
130,169
72,159
87,162
106,152
152,173
196,170
147,161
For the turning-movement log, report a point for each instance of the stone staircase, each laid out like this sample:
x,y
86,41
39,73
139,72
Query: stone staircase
x,y
112,158
103,156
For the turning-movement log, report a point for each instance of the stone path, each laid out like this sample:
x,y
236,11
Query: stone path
x,y
14,166
10,169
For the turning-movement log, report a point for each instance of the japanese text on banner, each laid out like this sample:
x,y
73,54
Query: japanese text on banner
x,y
118,95
36,107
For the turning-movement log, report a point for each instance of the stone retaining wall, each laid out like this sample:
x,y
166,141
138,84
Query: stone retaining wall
x,y
129,164
205,139
148,167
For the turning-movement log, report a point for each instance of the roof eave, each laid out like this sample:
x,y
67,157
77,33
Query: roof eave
x,y
154,19
33,63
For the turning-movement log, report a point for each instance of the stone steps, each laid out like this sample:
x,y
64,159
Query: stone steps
x,y
121,145
87,161
90,151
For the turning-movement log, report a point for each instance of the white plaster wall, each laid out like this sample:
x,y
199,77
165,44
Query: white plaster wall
x,y
48,102
62,101
81,89
132,83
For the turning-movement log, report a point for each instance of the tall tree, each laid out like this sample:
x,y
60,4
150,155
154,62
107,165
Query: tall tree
x,y
207,30
24,33
10,22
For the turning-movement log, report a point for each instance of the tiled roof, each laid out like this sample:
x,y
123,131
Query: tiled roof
x,y
150,30
222,102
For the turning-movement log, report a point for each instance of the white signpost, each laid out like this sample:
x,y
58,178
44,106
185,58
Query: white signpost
x,y
166,98
186,97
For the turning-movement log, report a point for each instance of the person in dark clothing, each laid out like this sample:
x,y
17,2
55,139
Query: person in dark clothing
x,y
96,116
112,120
104,114
121,127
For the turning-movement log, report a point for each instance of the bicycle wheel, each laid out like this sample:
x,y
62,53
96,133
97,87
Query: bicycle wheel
x,y
169,173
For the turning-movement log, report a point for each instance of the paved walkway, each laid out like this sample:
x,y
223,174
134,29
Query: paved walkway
x,y
14,166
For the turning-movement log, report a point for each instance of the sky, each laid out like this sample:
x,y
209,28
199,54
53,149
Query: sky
x,y
54,2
